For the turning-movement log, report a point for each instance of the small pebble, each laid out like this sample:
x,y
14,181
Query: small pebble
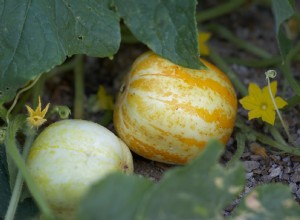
x,y
257,171
276,157
296,177
297,167
293,187
246,154
276,172
286,159
285,177
288,170
251,165
247,189
266,178
255,157
249,175
298,193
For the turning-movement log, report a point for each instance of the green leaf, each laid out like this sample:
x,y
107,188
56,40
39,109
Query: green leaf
x,y
270,201
282,10
115,197
200,190
166,27
35,36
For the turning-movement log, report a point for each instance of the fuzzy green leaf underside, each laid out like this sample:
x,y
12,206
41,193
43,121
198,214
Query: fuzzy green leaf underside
x,y
269,201
200,190
116,197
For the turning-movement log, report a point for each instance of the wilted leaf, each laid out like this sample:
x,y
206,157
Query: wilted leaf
x,y
269,201
115,197
166,27
200,190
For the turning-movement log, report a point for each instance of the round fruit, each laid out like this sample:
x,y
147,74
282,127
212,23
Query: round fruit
x,y
167,113
70,155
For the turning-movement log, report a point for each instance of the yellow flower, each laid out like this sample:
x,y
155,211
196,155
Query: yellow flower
x,y
259,102
203,37
105,101
37,117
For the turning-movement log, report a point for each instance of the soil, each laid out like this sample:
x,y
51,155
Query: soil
x,y
253,23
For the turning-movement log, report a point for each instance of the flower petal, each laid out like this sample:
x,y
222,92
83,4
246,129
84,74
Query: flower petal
x,y
248,103
203,36
254,90
273,86
268,116
280,102
30,110
255,113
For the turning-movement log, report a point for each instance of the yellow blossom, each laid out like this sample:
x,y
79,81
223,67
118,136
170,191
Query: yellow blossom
x,y
105,101
259,102
203,37
37,117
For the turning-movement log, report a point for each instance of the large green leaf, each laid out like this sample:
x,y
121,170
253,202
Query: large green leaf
x,y
116,197
269,201
166,27
200,190
282,10
35,36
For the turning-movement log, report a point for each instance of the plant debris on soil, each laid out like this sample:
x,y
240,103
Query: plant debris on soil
x,y
253,23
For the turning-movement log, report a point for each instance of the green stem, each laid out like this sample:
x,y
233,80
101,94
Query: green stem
x,y
3,112
226,34
292,102
286,69
276,135
276,108
285,148
17,96
79,87
69,66
219,10
267,140
241,139
19,182
37,90
224,67
267,62
13,152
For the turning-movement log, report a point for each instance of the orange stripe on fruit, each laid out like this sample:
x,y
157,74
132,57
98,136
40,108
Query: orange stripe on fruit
x,y
151,152
148,84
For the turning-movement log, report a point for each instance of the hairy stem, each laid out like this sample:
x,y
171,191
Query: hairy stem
x,y
226,34
286,69
16,193
13,152
219,10
241,139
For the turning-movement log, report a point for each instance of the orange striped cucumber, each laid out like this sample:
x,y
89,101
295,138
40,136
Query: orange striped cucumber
x,y
167,113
